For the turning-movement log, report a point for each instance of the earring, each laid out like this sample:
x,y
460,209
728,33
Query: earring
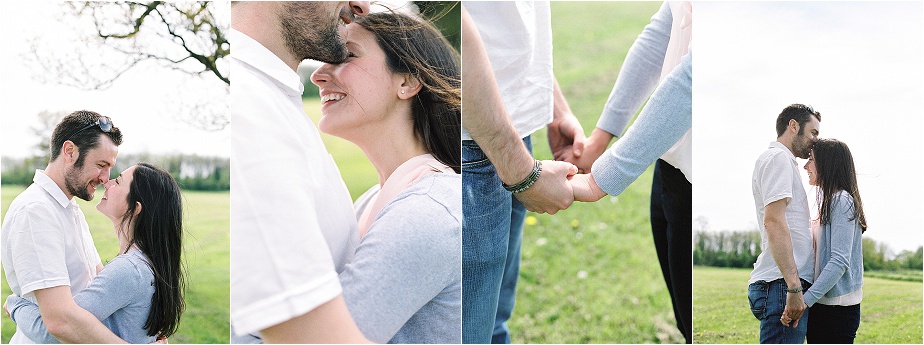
x,y
402,92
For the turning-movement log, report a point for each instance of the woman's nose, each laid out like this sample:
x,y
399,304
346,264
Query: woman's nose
x,y
321,75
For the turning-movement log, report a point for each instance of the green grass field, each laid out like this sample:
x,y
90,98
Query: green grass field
x,y
207,240
891,309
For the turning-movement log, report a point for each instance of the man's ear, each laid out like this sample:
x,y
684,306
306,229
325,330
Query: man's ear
x,y
70,151
794,125
409,87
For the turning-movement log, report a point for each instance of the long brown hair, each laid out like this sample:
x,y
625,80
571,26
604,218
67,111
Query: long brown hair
x,y
836,172
157,231
413,46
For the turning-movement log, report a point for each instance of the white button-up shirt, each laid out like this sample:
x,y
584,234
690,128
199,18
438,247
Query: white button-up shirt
x,y
517,37
292,222
776,177
46,243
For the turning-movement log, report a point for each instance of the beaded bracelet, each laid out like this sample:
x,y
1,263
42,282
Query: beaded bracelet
x,y
528,182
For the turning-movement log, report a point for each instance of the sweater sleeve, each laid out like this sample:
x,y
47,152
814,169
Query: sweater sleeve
x,y
842,237
409,256
116,286
639,73
664,120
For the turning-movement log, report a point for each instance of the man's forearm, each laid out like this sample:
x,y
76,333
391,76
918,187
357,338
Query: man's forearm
x,y
68,322
483,113
780,243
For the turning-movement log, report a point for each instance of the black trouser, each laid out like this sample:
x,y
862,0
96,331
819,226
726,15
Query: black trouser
x,y
672,227
833,324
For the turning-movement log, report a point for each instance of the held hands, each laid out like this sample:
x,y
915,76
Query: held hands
x,y
594,147
566,137
585,188
795,306
552,192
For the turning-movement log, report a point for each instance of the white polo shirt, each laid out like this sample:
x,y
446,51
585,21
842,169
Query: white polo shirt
x,y
777,176
292,222
517,36
46,243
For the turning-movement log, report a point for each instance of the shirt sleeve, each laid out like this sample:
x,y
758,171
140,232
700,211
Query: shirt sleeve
x,y
117,285
410,254
664,120
37,244
843,233
775,179
639,73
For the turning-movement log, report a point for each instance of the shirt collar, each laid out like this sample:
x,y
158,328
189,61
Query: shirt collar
x,y
780,146
52,188
251,52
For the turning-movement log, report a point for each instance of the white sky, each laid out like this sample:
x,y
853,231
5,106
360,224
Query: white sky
x,y
142,103
860,64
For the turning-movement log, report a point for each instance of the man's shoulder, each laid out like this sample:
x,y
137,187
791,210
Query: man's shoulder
x,y
32,200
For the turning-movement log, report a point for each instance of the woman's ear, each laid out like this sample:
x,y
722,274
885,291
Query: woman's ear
x,y
409,87
137,207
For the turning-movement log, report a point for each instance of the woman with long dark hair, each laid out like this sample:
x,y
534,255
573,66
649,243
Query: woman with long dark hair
x,y
834,298
397,97
139,294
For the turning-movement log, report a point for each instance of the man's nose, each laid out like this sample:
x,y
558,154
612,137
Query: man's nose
x,y
360,8
104,175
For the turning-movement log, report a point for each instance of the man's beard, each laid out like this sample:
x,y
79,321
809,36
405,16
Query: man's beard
x,y
311,33
73,184
802,147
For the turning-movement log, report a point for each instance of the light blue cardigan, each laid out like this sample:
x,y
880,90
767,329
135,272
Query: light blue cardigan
x,y
840,252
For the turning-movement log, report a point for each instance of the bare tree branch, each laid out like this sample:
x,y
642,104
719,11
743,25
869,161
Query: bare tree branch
x,y
119,36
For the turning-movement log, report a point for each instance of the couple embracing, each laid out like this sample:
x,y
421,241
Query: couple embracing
x,y
61,291
307,265
807,281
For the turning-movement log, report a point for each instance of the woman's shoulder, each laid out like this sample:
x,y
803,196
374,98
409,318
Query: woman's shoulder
x,y
132,266
439,188
842,199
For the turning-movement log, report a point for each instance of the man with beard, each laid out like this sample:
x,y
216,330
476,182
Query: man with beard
x,y
292,221
48,253
786,267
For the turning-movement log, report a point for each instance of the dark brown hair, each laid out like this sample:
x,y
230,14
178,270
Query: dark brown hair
x,y
799,112
70,129
836,172
157,231
413,46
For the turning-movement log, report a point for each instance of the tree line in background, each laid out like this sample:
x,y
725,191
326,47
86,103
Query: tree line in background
x,y
191,172
741,248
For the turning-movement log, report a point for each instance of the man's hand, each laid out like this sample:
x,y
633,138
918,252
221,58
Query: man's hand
x,y
552,191
566,137
585,188
594,147
795,306
7,311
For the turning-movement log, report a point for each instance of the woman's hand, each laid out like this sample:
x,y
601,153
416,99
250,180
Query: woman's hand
x,y
585,188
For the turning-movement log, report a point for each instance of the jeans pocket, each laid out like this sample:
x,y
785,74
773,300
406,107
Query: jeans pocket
x,y
757,297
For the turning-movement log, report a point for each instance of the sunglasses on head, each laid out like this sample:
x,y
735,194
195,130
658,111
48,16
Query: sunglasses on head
x,y
104,123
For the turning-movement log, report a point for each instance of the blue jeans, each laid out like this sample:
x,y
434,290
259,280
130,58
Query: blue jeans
x,y
492,228
767,303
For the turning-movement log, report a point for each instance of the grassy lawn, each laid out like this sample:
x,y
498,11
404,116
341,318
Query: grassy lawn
x,y
891,309
206,256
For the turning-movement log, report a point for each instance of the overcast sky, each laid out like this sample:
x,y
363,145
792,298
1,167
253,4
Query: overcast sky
x,y
142,103
860,64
